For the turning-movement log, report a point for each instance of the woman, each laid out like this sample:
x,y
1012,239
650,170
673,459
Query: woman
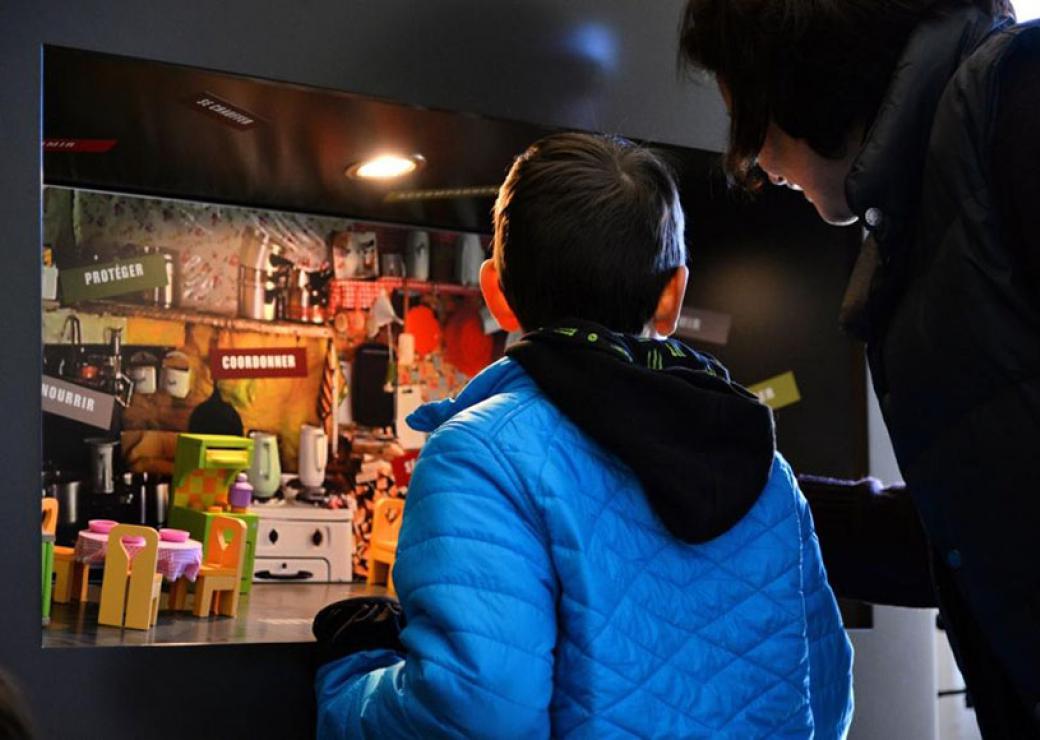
x,y
919,118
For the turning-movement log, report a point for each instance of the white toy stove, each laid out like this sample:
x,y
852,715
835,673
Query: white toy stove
x,y
299,542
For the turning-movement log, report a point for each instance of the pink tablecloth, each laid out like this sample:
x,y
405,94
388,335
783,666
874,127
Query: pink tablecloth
x,y
176,559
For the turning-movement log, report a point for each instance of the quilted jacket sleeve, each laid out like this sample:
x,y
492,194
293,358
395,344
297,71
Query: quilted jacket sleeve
x,y
478,591
830,651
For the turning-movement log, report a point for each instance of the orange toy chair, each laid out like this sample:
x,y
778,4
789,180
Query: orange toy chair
x,y
382,547
217,587
131,589
49,522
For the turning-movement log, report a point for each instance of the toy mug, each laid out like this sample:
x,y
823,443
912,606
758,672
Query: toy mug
x,y
176,380
144,373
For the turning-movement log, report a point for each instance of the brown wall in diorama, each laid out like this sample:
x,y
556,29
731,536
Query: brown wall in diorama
x,y
277,405
205,239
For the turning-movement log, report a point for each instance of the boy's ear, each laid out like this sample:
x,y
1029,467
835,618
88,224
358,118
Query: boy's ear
x,y
491,287
669,305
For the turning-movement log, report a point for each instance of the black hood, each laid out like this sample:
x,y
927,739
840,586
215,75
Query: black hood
x,y
701,445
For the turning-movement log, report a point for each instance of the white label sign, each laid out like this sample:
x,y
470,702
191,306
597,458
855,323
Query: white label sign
x,y
76,402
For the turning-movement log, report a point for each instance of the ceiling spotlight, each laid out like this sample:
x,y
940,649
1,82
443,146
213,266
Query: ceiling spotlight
x,y
385,167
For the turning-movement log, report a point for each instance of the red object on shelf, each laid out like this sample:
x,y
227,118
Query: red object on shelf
x,y
466,346
403,467
361,293
422,323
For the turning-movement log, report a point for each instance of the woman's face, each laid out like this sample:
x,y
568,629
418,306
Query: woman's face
x,y
793,163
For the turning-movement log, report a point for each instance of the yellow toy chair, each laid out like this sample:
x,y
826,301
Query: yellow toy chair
x,y
217,587
131,589
382,547
70,578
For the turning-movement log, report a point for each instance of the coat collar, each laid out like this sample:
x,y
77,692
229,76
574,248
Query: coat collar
x,y
884,182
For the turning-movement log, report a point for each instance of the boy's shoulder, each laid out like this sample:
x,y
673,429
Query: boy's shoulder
x,y
504,411
517,408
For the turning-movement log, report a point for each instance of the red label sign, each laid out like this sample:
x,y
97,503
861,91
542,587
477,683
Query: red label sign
x,y
90,146
403,467
269,362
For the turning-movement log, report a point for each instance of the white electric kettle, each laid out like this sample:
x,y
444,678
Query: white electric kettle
x,y
265,473
313,455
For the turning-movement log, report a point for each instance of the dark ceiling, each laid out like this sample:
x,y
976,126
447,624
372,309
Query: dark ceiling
x,y
292,158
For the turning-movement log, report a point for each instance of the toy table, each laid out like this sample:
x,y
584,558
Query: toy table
x,y
176,559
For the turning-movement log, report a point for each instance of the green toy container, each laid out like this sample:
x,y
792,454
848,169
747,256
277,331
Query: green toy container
x,y
204,467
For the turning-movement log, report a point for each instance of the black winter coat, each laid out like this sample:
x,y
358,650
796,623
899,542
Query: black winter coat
x,y
952,322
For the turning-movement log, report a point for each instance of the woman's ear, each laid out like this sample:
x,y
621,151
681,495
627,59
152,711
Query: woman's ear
x,y
491,287
669,305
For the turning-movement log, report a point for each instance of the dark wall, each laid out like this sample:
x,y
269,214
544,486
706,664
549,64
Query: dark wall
x,y
593,64
779,272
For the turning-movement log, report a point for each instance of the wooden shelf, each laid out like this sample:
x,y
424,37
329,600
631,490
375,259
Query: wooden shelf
x,y
290,328
415,286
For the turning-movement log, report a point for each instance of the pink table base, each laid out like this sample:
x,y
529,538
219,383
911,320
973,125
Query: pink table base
x,y
176,559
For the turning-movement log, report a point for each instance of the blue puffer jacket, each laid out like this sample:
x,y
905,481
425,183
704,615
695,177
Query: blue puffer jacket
x,y
544,597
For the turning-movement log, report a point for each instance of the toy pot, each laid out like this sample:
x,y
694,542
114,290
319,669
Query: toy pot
x,y
144,371
176,380
102,463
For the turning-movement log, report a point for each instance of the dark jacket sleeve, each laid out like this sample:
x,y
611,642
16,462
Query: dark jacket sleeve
x,y
872,542
1016,156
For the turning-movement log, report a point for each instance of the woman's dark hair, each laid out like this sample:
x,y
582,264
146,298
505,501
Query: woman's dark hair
x,y
587,227
817,69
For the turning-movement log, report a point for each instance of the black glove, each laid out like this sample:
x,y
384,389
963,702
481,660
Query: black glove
x,y
872,541
357,624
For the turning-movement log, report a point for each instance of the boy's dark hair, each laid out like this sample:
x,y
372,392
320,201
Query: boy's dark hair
x,y
817,69
587,227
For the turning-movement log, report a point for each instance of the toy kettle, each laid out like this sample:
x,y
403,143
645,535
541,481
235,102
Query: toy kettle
x,y
314,454
265,472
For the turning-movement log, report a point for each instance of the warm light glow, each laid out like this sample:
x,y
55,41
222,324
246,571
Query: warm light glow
x,y
385,167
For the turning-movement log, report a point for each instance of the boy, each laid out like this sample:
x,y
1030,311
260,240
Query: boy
x,y
599,538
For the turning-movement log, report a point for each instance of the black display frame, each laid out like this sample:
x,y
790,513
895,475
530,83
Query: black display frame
x,y
264,690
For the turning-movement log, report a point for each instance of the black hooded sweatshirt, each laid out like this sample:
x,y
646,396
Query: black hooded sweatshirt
x,y
701,445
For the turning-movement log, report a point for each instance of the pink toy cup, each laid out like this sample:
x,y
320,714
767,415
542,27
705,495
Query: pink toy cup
x,y
101,526
173,535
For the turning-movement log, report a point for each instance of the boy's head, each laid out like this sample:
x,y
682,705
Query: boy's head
x,y
587,227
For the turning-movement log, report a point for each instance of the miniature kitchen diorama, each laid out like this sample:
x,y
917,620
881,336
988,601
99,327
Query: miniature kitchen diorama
x,y
247,287
225,382
258,372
